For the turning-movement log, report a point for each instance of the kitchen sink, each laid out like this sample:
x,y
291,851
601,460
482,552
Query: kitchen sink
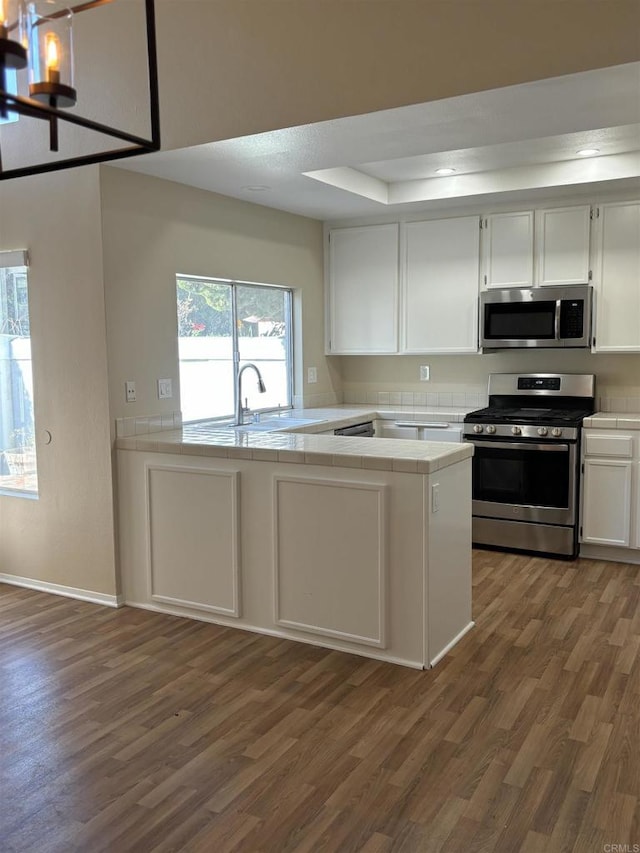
x,y
273,424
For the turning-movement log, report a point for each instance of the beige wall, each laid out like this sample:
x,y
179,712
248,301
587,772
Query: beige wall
x,y
153,229
617,375
65,537
234,67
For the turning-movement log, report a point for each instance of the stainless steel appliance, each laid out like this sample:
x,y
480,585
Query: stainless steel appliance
x,y
526,474
363,430
536,317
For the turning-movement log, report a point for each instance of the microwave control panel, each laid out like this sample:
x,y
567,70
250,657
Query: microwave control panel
x,y
572,318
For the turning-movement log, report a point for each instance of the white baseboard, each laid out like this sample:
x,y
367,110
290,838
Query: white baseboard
x,y
271,632
610,553
67,591
450,645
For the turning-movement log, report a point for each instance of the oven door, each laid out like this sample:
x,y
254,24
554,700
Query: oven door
x,y
525,480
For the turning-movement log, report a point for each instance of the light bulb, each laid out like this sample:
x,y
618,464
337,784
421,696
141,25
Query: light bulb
x,y
52,51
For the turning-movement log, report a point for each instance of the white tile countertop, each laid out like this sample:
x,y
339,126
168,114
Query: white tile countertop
x,y
211,438
612,420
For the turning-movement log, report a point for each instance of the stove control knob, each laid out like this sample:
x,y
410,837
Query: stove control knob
x,y
477,428
542,430
556,432
491,429
516,430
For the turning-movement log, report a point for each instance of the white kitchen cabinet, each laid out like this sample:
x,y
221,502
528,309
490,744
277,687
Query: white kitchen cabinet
x,y
507,249
562,245
617,277
606,511
609,488
363,290
441,268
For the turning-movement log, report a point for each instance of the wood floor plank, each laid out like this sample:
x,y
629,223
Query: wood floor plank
x,y
134,732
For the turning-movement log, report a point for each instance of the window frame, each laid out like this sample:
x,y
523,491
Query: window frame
x,y
19,259
235,339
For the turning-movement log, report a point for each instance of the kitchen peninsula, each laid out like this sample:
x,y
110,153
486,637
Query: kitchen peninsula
x,y
356,544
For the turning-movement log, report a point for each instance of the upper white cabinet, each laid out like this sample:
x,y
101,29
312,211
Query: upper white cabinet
x,y
508,249
617,277
363,290
541,248
441,268
562,245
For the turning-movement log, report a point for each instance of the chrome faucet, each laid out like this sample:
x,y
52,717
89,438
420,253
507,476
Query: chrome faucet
x,y
241,410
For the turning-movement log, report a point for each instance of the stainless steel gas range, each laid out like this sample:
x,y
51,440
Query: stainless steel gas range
x,y
526,463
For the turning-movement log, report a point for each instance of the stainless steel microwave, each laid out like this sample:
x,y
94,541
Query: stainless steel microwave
x,y
514,317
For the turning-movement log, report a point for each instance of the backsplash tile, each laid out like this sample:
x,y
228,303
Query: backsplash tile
x,y
463,398
617,399
128,427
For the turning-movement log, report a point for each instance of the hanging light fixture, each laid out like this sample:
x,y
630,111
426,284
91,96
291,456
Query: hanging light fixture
x,y
38,34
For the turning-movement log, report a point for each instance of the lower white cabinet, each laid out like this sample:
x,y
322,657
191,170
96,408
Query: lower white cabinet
x,y
611,479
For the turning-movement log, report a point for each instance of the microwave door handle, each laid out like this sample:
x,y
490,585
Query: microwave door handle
x,y
558,312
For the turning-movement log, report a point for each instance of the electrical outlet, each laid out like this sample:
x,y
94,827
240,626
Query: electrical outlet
x,y
164,389
424,372
312,375
130,391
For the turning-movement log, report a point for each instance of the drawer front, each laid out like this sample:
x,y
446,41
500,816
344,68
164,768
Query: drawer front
x,y
608,444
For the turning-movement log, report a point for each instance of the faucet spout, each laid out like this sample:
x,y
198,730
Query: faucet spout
x,y
240,410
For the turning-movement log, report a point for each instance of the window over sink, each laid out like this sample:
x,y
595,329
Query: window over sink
x,y
221,326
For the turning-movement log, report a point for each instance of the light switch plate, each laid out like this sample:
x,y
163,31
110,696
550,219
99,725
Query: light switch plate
x,y
424,372
435,497
164,389
312,375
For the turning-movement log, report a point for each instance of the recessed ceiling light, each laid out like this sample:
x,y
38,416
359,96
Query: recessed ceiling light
x,y
588,152
445,171
256,188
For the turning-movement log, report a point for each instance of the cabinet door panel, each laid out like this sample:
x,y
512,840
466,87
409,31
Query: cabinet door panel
x,y
441,286
508,250
562,238
363,289
618,278
606,510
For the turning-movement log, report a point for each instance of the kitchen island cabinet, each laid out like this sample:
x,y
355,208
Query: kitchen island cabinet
x,y
356,544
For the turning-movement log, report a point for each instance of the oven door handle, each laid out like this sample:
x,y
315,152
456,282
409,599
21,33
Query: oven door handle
x,y
519,445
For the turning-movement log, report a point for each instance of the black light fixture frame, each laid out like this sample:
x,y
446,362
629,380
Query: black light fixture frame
x,y
32,108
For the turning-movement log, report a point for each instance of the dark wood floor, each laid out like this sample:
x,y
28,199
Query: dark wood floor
x,y
123,730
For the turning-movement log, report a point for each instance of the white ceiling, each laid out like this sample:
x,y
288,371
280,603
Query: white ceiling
x,y
503,143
